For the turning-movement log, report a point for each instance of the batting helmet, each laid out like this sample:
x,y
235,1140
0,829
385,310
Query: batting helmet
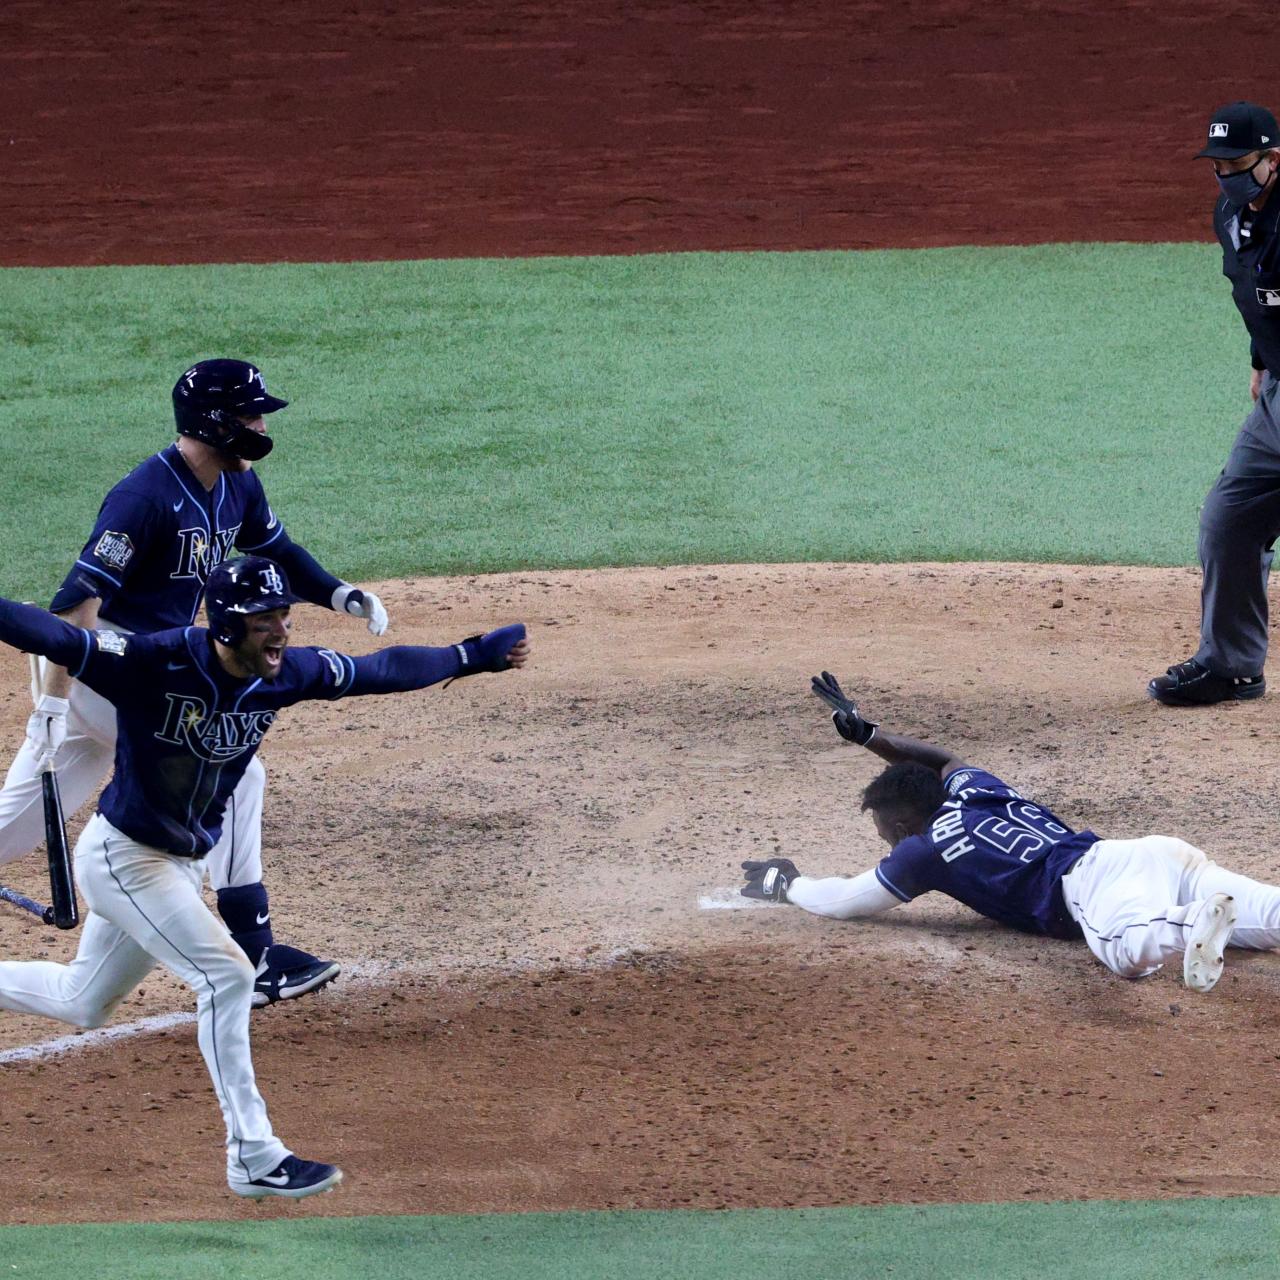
x,y
240,587
210,399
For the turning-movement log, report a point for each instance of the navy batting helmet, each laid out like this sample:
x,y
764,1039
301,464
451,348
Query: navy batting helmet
x,y
210,399
240,587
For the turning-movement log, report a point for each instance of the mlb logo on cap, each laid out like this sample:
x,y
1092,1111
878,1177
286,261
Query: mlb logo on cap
x,y
1239,129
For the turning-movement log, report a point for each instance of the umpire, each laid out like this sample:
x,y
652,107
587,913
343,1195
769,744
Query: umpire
x,y
1240,520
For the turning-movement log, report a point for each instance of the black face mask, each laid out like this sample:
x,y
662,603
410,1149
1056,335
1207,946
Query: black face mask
x,y
1242,188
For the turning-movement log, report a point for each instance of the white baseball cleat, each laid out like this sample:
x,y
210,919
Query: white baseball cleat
x,y
1203,959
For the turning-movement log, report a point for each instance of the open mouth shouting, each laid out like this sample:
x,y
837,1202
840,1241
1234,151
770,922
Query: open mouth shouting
x,y
261,653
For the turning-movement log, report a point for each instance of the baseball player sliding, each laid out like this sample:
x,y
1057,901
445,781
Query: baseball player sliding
x,y
961,831
159,534
192,705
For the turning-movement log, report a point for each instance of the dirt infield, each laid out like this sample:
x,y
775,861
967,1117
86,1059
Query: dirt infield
x,y
162,132
537,1013
543,1016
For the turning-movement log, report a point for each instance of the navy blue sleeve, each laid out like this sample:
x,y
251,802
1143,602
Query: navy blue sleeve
x,y
403,667
324,673
34,631
969,779
119,540
260,529
909,869
104,660
307,580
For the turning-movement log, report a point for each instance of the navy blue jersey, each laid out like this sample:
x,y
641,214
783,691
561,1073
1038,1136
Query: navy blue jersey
x,y
187,729
996,852
158,535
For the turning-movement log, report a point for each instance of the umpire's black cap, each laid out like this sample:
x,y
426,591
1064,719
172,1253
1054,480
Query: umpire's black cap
x,y
1238,129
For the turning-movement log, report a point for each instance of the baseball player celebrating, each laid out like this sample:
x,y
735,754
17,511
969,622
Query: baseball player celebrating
x,y
959,830
160,533
192,705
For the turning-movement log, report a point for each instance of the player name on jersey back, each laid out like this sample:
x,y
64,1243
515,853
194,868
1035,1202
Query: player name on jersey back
x,y
994,850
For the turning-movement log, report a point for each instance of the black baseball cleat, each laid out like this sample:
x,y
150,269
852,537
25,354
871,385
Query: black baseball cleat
x,y
1192,684
293,1178
285,973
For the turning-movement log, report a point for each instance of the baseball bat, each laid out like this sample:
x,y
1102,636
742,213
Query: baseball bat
x,y
65,912
66,915
17,899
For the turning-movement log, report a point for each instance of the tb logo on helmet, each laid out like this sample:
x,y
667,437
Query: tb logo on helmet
x,y
241,587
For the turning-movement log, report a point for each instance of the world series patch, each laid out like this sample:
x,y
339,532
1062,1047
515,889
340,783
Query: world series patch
x,y
111,642
115,549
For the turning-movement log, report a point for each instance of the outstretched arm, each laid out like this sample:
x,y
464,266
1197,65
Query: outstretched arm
x,y
838,897
842,897
894,748
404,667
34,631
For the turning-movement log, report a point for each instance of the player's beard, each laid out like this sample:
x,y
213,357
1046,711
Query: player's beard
x,y
255,659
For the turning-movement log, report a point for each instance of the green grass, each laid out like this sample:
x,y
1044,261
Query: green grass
x,y
1066,403
1210,1239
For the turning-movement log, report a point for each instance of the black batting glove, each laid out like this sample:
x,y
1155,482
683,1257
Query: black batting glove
x,y
769,880
844,711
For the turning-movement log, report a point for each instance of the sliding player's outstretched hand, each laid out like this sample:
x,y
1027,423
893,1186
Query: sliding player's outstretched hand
x,y
844,711
769,880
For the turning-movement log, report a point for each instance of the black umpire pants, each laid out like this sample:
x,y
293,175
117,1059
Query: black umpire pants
x,y
1239,524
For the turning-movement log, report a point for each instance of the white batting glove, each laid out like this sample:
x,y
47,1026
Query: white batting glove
x,y
47,726
361,604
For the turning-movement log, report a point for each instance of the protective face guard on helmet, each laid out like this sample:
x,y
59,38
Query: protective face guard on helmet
x,y
212,397
226,432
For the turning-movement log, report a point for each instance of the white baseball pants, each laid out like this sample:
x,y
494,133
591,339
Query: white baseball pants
x,y
84,763
1136,900
146,907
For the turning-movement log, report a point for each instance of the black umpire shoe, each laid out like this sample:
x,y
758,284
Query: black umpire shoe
x,y
1192,684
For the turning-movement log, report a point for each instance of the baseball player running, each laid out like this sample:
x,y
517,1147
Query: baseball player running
x,y
159,534
192,706
959,830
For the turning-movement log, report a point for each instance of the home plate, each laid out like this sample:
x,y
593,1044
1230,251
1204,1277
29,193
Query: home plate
x,y
731,900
